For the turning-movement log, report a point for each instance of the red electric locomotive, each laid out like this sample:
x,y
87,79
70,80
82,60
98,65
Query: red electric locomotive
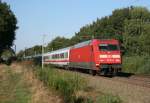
x,y
99,56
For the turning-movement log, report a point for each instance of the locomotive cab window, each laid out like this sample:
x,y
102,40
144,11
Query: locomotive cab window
x,y
113,47
108,47
103,47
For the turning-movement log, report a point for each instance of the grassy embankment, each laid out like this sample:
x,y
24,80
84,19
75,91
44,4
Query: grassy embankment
x,y
136,64
13,88
70,85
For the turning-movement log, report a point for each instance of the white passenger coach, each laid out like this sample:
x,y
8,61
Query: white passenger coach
x,y
59,57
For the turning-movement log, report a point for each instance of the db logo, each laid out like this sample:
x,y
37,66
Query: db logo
x,y
109,56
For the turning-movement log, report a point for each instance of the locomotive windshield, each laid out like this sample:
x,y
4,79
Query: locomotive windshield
x,y
108,47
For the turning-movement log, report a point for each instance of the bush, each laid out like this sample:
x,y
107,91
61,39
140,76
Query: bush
x,y
108,99
67,84
136,64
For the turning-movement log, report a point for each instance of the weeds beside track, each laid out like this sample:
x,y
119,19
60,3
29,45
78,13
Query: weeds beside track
x,y
72,86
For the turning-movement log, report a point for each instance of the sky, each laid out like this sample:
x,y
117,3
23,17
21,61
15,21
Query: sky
x,y
59,17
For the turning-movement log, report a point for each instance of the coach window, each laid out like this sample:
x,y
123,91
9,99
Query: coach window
x,y
55,56
66,55
60,56
63,55
46,57
50,56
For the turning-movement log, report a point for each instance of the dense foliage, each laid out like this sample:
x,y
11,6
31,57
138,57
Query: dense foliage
x,y
58,42
8,26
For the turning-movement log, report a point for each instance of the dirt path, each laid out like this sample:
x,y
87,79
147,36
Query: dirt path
x,y
128,93
39,93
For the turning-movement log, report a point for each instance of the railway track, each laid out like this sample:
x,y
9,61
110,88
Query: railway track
x,y
133,79
142,77
132,89
139,80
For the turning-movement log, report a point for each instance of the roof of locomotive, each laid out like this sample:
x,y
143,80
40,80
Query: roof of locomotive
x,y
81,44
109,41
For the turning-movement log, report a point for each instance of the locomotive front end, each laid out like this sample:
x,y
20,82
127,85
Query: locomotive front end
x,y
108,57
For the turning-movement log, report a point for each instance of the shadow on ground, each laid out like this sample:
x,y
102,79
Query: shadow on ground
x,y
124,74
120,74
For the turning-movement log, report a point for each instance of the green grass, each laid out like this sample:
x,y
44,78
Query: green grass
x,y
68,84
13,89
108,98
136,64
101,98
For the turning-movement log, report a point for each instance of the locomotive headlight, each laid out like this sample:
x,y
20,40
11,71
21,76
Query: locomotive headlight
x,y
117,60
103,56
115,56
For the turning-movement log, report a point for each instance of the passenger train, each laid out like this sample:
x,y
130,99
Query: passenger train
x,y
96,56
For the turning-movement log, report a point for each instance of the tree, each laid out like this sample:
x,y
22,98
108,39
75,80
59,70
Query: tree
x,y
107,27
136,37
8,27
58,43
128,25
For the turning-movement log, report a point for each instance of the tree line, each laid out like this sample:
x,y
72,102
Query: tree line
x,y
131,26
